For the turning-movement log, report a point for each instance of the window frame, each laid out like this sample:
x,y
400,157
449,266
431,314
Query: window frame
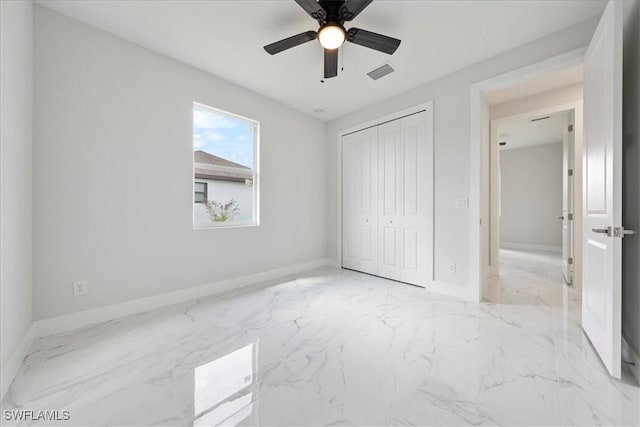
x,y
256,170
206,191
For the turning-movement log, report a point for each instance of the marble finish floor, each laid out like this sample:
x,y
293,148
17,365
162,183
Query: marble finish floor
x,y
336,347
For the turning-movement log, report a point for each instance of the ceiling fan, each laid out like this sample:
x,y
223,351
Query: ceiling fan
x,y
331,16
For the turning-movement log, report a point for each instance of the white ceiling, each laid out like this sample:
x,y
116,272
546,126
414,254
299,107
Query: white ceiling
x,y
225,38
549,81
525,133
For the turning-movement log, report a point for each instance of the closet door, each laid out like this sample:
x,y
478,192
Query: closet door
x,y
415,200
387,199
405,207
360,201
390,191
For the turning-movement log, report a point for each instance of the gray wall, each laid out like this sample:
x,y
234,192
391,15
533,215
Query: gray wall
x,y
113,176
631,172
16,96
531,196
451,96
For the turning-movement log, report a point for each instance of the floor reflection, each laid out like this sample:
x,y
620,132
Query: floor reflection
x,y
223,388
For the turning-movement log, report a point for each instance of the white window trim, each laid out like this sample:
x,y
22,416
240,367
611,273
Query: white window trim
x,y
256,173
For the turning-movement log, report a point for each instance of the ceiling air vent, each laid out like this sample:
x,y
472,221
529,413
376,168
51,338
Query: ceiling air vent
x,y
381,72
540,118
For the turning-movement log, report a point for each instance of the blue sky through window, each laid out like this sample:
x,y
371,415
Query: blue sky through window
x,y
224,136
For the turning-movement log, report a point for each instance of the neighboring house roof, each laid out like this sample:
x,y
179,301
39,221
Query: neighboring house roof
x,y
208,166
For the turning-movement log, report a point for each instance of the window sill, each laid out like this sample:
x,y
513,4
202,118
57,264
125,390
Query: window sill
x,y
215,227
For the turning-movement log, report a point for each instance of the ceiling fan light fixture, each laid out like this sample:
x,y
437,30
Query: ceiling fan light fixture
x,y
331,36
331,15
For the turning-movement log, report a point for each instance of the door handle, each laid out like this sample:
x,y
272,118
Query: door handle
x,y
606,231
614,231
561,217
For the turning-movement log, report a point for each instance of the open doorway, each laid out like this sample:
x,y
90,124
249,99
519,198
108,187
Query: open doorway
x,y
534,186
535,208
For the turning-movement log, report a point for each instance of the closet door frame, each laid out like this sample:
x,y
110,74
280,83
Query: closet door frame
x,y
427,107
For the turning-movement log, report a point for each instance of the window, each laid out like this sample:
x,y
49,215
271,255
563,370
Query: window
x,y
225,168
199,192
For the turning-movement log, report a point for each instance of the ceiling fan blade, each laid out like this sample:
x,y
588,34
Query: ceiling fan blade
x,y
352,8
290,42
330,63
313,8
373,40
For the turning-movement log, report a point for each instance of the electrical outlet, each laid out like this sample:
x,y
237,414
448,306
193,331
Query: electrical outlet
x,y
451,267
80,288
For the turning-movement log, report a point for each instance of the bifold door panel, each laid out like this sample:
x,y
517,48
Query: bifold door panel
x,y
387,190
360,201
389,145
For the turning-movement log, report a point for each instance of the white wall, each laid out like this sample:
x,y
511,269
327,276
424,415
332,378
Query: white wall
x,y
16,95
531,194
113,179
631,179
451,96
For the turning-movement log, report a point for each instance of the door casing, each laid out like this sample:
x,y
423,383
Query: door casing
x,y
479,194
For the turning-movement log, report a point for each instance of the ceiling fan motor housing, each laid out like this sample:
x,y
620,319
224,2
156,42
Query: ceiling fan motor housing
x,y
336,12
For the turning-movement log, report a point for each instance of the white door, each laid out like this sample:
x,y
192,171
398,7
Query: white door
x,y
406,200
390,184
601,301
416,200
387,199
360,201
567,201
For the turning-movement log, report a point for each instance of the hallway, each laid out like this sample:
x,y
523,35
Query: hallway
x,y
531,278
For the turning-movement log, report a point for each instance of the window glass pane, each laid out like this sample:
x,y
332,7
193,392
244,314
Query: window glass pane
x,y
225,159
199,197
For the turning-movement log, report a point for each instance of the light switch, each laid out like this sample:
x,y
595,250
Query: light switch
x,y
462,203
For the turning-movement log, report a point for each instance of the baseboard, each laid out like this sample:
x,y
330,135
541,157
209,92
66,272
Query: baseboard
x,y
530,247
630,354
465,293
12,364
69,322
333,263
